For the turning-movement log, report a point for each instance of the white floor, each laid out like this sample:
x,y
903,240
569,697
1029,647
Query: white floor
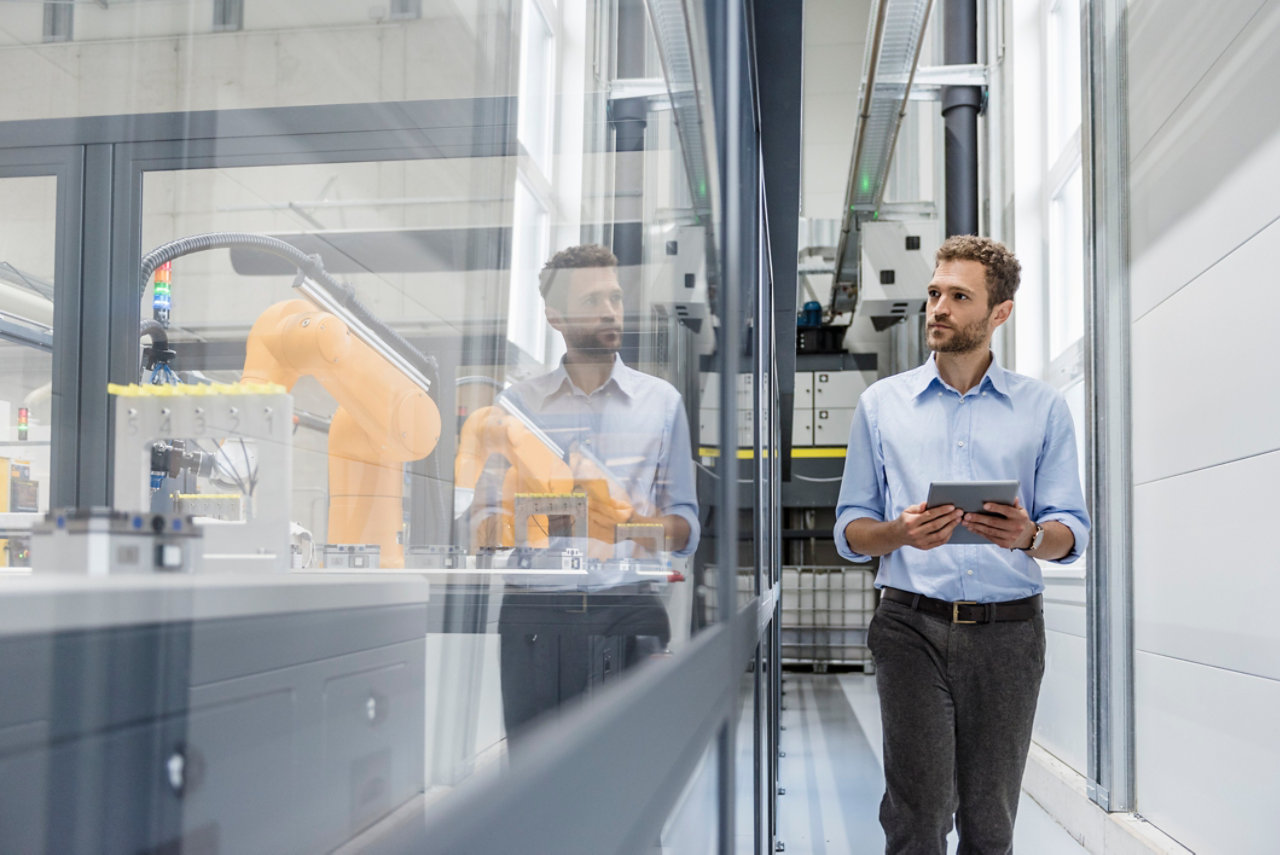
x,y
832,773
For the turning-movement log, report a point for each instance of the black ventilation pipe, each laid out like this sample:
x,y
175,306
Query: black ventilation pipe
x,y
960,107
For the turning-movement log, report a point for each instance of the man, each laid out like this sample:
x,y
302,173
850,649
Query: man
x,y
627,439
958,683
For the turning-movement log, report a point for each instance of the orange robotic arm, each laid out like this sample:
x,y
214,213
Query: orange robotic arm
x,y
383,420
535,468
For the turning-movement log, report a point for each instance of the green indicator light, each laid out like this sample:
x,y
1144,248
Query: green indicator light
x,y
866,183
702,188
875,215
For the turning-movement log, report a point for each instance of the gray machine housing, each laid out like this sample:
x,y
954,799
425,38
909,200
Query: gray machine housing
x,y
100,541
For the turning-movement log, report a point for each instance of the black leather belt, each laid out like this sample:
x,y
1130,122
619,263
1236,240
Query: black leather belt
x,y
966,612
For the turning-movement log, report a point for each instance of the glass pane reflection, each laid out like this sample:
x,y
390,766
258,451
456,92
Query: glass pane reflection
x,y
433,467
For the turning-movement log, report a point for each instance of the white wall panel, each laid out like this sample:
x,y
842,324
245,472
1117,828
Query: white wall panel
x,y
1199,561
1194,188
23,23
1061,726
1062,715
1173,44
1211,224
1208,751
1204,233
1203,380
1064,601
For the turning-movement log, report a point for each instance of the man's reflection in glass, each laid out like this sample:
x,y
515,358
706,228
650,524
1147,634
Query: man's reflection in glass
x,y
624,438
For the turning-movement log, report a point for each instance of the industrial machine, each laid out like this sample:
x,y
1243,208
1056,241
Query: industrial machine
x,y
385,416
101,542
255,534
560,509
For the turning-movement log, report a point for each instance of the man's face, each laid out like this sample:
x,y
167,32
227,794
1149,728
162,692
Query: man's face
x,y
591,320
958,315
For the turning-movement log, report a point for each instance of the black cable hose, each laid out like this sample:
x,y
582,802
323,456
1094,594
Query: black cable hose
x,y
159,336
309,265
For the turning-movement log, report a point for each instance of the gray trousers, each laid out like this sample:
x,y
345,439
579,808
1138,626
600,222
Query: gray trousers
x,y
957,703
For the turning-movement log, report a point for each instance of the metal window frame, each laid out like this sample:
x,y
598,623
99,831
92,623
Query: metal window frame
x,y
1109,583
406,10
228,16
59,21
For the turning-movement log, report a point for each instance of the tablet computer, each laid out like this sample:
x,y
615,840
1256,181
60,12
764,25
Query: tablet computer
x,y
969,497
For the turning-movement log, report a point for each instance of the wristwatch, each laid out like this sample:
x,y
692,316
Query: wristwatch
x,y
1036,539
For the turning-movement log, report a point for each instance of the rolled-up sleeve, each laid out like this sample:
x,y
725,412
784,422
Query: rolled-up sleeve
x,y
861,486
677,487
1058,495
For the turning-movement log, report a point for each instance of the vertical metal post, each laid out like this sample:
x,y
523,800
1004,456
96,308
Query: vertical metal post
x,y
94,443
1109,586
628,121
67,305
960,114
779,43
730,90
994,60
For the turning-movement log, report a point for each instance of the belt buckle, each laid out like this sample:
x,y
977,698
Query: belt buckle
x,y
581,611
955,611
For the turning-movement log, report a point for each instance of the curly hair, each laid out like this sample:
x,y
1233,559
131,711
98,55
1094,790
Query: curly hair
x,y
575,257
1003,269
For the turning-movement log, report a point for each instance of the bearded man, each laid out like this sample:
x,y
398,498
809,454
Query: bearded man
x,y
958,638
628,437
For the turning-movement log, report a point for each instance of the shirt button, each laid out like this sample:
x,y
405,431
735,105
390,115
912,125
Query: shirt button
x,y
960,443
970,572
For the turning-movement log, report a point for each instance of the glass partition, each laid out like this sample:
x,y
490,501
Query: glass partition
x,y
28,206
414,449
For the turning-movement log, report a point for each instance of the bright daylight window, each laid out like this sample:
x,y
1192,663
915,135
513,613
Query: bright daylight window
x,y
537,67
526,324
1063,181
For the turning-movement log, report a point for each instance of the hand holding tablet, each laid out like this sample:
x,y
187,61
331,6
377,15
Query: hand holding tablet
x,y
970,496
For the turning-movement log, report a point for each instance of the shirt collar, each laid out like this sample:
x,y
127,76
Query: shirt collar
x,y
622,377
927,375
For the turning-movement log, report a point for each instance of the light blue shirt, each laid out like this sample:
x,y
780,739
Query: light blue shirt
x,y
635,424
913,429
